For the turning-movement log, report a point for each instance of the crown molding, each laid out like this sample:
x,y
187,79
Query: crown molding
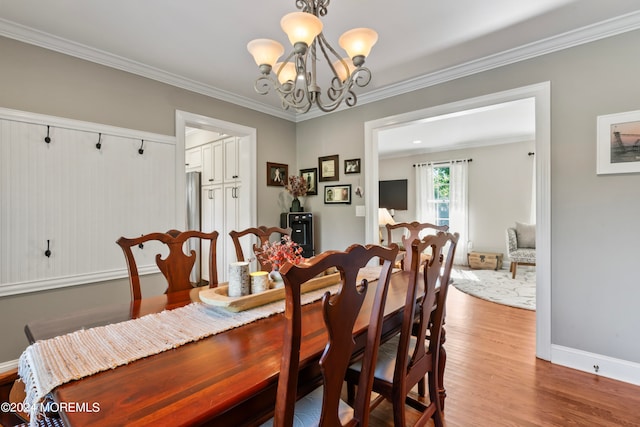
x,y
601,30
598,31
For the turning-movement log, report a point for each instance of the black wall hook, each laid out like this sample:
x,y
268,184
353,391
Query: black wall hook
x,y
141,149
47,139
531,153
99,144
141,245
47,253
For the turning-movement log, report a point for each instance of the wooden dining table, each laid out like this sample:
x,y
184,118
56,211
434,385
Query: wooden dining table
x,y
227,379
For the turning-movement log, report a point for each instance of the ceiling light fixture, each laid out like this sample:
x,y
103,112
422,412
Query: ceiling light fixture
x,y
296,79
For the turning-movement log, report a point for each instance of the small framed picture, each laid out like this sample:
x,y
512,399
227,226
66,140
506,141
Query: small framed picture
x,y
311,176
619,143
352,166
337,194
328,168
277,174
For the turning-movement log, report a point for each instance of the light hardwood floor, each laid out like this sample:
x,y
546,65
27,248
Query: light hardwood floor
x,y
494,379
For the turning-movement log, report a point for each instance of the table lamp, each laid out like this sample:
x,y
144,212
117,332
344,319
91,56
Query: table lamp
x,y
384,218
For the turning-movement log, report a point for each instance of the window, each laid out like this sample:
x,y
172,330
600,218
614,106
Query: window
x,y
441,187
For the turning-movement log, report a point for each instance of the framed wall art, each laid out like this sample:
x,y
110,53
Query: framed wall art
x,y
352,166
311,176
328,168
277,174
337,194
618,144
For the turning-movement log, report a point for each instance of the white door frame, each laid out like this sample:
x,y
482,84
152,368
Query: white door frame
x,y
542,94
185,119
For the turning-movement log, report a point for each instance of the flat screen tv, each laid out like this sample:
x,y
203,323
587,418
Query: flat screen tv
x,y
393,194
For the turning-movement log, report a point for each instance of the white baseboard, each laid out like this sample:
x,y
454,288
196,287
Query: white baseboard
x,y
9,365
597,364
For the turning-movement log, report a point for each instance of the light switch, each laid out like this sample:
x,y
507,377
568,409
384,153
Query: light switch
x,y
360,210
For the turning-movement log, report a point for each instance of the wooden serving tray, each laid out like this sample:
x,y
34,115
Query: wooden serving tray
x,y
219,296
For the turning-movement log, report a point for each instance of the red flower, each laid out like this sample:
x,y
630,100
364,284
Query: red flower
x,y
281,251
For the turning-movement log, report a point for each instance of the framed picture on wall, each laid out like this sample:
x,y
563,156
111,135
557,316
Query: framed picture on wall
x,y
352,166
277,174
328,168
619,143
311,176
335,194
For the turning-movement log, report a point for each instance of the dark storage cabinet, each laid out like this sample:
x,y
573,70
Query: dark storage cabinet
x,y
301,224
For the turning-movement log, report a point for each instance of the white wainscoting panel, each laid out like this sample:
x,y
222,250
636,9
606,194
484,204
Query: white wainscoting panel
x,y
79,198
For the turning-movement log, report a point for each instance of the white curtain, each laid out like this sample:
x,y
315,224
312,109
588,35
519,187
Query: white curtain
x,y
458,208
425,206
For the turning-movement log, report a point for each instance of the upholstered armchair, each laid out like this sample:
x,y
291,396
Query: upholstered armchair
x,y
521,246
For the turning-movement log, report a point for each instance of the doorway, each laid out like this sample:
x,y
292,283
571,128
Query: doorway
x,y
541,94
248,206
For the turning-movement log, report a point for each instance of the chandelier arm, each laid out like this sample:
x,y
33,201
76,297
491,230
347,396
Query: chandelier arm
x,y
324,45
361,77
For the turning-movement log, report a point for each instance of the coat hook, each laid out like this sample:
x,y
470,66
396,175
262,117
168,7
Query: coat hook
x,y
99,144
47,139
47,253
141,149
141,245
531,153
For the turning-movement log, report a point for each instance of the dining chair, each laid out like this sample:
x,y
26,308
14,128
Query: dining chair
x,y
405,359
45,422
176,266
412,230
323,406
263,234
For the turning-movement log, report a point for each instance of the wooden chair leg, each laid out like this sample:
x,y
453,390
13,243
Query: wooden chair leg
x,y
351,392
442,362
514,268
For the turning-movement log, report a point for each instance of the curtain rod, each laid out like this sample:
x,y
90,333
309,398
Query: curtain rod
x,y
443,162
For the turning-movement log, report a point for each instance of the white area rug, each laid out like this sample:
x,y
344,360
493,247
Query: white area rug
x,y
498,286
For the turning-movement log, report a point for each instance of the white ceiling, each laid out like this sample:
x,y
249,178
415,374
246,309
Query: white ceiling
x,y
503,123
200,45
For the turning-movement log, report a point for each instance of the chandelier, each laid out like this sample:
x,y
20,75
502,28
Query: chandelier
x,y
297,79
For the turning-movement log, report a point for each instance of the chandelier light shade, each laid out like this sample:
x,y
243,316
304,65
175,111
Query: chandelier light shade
x,y
358,42
265,51
296,79
286,72
301,27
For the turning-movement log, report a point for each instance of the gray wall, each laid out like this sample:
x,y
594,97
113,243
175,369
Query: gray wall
x,y
594,252
593,218
500,184
41,81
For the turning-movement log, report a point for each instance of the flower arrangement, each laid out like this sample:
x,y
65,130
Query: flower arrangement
x,y
281,251
296,186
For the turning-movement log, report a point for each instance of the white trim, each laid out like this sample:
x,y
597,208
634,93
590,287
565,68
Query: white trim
x,y
9,365
542,94
597,364
601,30
61,122
17,288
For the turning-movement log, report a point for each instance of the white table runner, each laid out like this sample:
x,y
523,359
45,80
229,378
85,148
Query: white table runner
x,y
47,364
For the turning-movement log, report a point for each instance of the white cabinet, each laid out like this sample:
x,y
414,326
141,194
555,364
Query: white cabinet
x,y
212,208
212,163
225,198
193,159
231,159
